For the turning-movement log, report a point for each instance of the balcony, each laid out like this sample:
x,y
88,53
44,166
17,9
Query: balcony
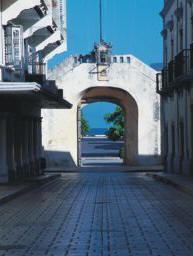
x,y
10,74
179,72
36,73
182,63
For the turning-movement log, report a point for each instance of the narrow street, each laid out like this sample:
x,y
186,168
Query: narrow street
x,y
98,214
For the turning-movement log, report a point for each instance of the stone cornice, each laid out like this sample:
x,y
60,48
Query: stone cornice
x,y
166,8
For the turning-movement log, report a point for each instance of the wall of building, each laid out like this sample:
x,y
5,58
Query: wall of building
x,y
177,125
24,87
135,78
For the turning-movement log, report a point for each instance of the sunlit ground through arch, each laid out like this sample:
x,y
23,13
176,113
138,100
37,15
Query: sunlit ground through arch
x,y
97,148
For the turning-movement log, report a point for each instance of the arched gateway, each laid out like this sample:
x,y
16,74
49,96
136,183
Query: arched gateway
x,y
100,76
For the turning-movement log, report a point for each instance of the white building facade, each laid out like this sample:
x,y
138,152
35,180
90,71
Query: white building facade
x,y
175,85
31,32
101,76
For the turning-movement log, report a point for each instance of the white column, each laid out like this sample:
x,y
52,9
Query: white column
x,y
3,150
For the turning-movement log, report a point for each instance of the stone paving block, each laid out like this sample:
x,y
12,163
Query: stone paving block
x,y
99,214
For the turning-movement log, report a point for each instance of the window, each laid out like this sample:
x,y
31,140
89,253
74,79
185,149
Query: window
x,y
182,138
115,59
192,131
75,60
166,56
172,49
121,59
13,46
181,39
173,140
191,28
103,57
128,60
166,141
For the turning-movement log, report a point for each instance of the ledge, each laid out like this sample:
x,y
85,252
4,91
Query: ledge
x,y
56,36
34,91
12,11
59,49
42,23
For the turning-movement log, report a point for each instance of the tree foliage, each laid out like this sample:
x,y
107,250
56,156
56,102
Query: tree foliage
x,y
85,128
117,119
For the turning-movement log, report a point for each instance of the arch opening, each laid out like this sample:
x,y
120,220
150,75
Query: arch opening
x,y
130,108
102,139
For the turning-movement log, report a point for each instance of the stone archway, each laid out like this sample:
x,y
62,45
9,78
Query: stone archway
x,y
126,101
131,84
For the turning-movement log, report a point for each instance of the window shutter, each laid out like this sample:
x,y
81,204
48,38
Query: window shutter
x,y
17,46
14,46
8,46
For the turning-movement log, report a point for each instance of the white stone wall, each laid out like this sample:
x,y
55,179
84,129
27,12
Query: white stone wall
x,y
169,15
177,104
136,78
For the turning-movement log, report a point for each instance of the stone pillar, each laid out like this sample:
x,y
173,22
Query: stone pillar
x,y
10,148
31,146
25,142
18,147
4,177
39,142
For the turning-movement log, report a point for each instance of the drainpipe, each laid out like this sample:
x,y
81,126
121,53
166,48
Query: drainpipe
x,y
2,48
186,97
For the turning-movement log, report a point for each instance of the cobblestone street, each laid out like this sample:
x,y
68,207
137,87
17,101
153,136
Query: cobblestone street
x,y
98,214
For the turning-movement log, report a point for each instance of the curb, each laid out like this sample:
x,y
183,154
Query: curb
x,y
170,182
34,183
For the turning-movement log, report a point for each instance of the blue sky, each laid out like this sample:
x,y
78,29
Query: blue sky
x,y
132,26
99,109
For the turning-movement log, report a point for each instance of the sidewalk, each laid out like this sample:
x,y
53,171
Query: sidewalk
x,y
13,190
182,183
105,168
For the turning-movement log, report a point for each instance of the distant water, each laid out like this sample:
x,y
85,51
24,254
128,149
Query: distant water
x,y
97,131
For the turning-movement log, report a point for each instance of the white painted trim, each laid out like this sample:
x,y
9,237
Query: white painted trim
x,y
16,8
50,40
42,23
61,48
18,87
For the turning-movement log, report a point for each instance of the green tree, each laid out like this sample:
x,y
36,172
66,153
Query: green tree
x,y
117,119
85,128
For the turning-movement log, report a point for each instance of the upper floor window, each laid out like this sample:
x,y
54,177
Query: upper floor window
x,y
115,59
121,59
13,46
181,34
128,60
191,32
166,56
103,56
172,49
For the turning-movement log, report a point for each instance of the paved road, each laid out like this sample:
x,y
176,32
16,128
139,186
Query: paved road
x,y
100,147
98,214
101,152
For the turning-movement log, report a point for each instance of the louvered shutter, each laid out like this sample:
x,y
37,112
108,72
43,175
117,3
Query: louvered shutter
x,y
14,46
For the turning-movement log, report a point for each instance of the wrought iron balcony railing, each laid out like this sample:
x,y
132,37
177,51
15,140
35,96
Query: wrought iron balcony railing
x,y
37,68
171,69
36,73
182,63
178,70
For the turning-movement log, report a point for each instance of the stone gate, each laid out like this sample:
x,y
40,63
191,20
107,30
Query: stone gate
x,y
101,76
